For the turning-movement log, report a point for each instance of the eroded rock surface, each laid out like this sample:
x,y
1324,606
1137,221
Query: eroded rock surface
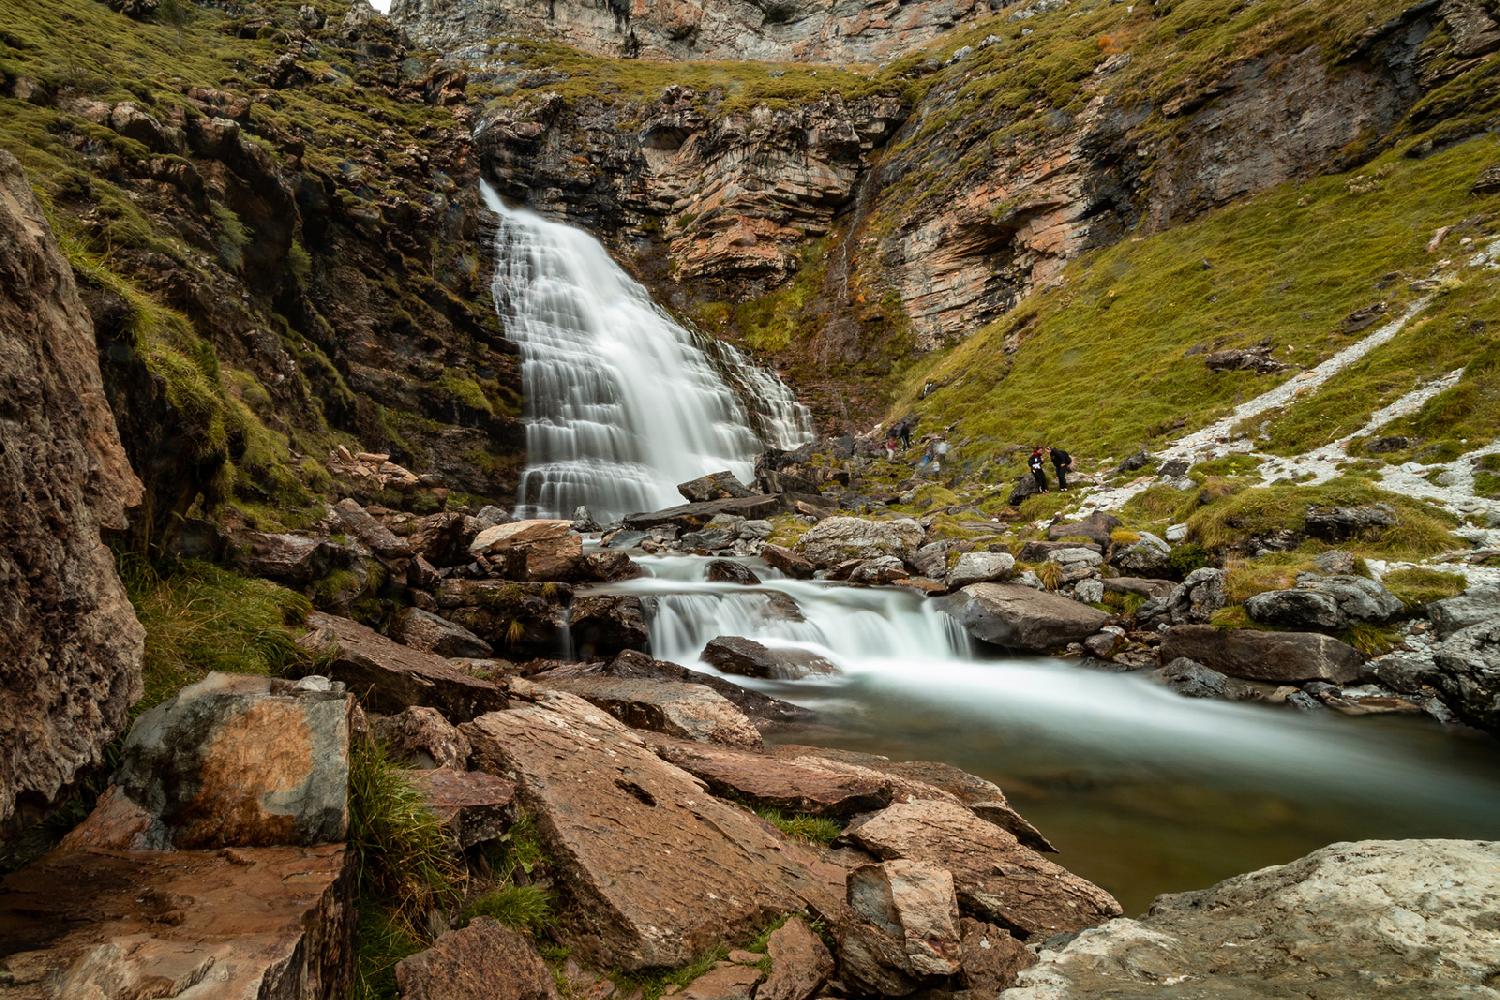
x,y
483,961
73,647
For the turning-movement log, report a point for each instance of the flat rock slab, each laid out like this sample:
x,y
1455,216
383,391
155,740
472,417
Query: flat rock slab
x,y
762,709
801,786
999,880
1401,919
692,516
472,806
1279,657
688,711
269,923
388,677
656,869
483,961
1016,617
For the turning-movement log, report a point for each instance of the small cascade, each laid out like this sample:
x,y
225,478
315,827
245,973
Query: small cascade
x,y
622,402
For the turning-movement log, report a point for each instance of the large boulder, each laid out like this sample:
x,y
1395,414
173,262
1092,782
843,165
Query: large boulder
x,y
606,624
388,677
1473,607
1279,657
359,523
1295,609
1193,680
687,711
483,961
656,871
835,540
1468,674
1196,598
531,550
433,634
716,486
1148,555
273,923
1325,602
998,879
1017,617
692,516
298,560
1411,919
802,785
234,761
1337,524
748,658
72,645
980,567
908,931
1097,527
728,571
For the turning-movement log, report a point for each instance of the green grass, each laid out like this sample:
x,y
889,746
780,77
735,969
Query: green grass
x,y
519,907
380,941
201,618
816,830
1418,585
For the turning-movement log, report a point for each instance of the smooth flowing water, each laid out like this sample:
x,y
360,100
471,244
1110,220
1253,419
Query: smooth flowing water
x,y
1144,791
622,402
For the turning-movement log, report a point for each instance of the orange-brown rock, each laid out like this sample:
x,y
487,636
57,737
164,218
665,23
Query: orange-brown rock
x,y
688,711
483,961
799,786
388,677
998,879
422,738
654,868
272,923
800,963
72,645
471,806
531,550
991,957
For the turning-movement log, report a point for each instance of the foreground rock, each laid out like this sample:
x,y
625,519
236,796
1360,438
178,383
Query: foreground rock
x,y
388,677
472,807
231,761
748,658
836,540
762,710
72,644
800,963
483,961
656,870
1281,657
273,923
687,711
1017,617
997,878
910,932
1407,919
804,785
530,550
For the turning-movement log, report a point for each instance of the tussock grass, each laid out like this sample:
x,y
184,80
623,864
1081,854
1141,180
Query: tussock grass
x,y
1244,578
817,830
201,618
519,907
380,941
1418,585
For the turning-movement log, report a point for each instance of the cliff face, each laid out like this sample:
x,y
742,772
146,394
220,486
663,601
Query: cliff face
x,y
834,31
72,643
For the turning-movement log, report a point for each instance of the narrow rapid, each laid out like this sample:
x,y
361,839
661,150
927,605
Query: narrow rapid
x,y
622,402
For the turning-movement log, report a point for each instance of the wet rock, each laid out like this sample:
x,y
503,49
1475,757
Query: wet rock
x,y
388,677
1016,617
763,709
1195,600
657,870
482,961
522,619
72,645
1278,657
748,658
236,761
606,624
605,567
725,571
531,550
1104,645
721,532
687,711
880,571
980,567
422,738
997,879
800,963
717,486
1337,524
1193,680
1148,556
1468,662
788,562
266,922
1323,923
692,516
1097,527
472,807
443,539
426,631
835,540
802,785
1473,607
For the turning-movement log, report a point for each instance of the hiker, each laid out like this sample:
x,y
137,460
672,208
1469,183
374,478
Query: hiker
x,y
1038,466
939,453
903,430
890,446
1062,462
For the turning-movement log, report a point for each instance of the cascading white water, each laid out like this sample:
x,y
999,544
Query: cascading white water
x,y
622,402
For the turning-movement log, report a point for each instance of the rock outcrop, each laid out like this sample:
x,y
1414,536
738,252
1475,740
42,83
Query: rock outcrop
x,y
1412,918
1282,657
72,644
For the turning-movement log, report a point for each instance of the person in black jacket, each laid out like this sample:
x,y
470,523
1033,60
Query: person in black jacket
x,y
1062,462
903,431
1038,465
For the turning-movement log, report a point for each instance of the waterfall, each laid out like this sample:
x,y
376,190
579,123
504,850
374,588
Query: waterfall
x,y
622,402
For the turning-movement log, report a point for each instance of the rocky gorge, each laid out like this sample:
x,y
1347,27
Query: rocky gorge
x,y
340,351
